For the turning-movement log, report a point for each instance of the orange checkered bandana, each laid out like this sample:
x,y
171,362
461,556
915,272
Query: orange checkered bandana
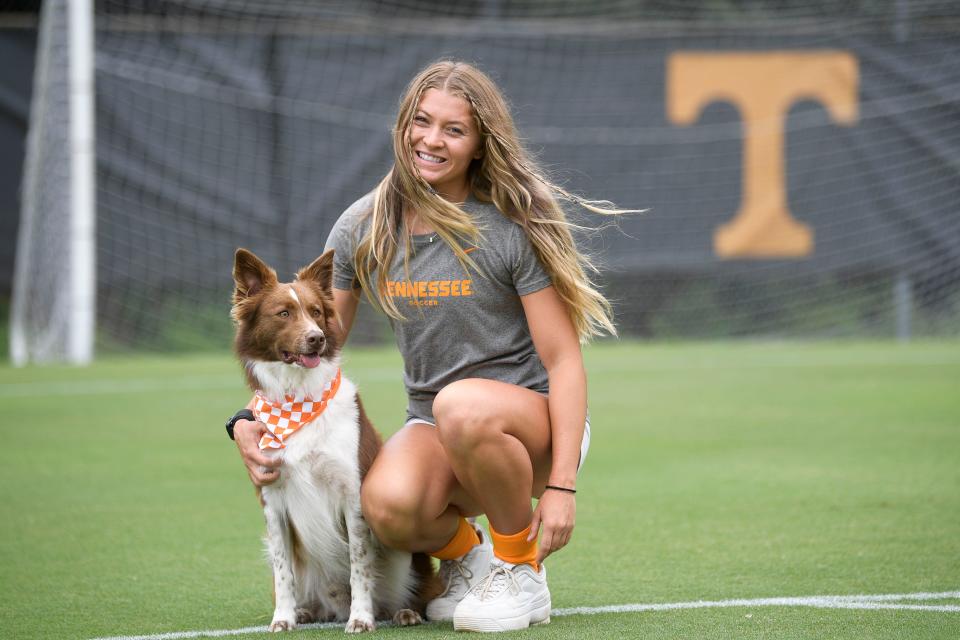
x,y
284,419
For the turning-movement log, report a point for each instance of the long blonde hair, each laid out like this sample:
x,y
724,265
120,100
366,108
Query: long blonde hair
x,y
504,175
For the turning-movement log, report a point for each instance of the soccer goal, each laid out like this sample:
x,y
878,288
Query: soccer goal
x,y
798,158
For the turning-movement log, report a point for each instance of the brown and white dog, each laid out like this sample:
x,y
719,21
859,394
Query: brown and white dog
x,y
327,564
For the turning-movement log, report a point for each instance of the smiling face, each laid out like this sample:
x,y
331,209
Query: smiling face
x,y
445,139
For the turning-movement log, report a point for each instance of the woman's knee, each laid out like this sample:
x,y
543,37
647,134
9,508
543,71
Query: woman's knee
x,y
465,416
392,512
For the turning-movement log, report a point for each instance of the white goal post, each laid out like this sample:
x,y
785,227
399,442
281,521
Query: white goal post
x,y
72,319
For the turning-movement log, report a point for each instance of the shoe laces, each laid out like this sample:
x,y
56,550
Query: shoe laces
x,y
500,577
452,572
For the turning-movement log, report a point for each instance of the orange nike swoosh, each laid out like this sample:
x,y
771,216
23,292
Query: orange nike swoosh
x,y
470,249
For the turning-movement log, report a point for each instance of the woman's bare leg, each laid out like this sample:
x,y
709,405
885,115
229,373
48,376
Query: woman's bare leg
x,y
489,453
496,437
410,496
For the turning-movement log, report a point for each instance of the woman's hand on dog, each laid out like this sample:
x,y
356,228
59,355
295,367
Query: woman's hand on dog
x,y
262,470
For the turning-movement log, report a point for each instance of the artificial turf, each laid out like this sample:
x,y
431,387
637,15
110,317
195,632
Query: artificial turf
x,y
716,471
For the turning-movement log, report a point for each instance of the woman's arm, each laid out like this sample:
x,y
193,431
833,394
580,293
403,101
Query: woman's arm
x,y
345,303
558,346
262,469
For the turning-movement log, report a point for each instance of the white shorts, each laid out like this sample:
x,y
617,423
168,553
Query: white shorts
x,y
584,443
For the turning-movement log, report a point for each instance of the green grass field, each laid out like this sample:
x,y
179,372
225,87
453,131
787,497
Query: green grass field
x,y
717,471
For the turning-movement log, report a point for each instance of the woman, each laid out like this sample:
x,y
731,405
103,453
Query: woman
x,y
489,302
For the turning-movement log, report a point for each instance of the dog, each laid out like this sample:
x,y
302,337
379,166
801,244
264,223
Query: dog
x,y
327,564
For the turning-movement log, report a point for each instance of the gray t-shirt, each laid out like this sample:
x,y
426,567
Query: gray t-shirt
x,y
457,324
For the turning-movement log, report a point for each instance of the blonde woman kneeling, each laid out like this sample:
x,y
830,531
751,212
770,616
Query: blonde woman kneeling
x,y
464,247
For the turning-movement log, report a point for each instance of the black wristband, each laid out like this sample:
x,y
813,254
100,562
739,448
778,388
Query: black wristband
x,y
556,488
243,414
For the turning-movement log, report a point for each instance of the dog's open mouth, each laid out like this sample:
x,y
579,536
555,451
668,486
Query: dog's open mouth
x,y
306,360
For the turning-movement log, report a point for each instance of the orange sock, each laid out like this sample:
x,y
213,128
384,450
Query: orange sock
x,y
463,540
514,548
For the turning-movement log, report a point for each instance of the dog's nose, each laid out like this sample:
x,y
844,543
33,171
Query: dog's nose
x,y
316,339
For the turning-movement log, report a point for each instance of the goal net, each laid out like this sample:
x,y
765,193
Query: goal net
x,y
800,159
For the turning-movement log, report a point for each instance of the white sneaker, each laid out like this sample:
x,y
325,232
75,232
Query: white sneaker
x,y
512,596
458,577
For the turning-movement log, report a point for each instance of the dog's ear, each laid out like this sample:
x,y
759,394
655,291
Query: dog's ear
x,y
250,275
320,271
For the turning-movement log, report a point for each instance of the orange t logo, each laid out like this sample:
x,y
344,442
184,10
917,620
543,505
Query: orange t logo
x,y
762,86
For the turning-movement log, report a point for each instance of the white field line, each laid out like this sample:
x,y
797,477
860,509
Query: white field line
x,y
885,601
882,601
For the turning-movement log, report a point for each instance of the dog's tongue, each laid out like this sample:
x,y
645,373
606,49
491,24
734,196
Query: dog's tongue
x,y
309,360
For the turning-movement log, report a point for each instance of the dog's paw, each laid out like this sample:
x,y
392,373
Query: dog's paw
x,y
284,619
406,618
358,625
306,616
282,625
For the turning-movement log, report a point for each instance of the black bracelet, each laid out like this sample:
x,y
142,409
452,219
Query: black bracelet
x,y
556,488
243,414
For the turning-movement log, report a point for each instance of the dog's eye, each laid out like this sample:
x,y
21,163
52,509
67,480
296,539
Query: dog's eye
x,y
316,313
284,314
